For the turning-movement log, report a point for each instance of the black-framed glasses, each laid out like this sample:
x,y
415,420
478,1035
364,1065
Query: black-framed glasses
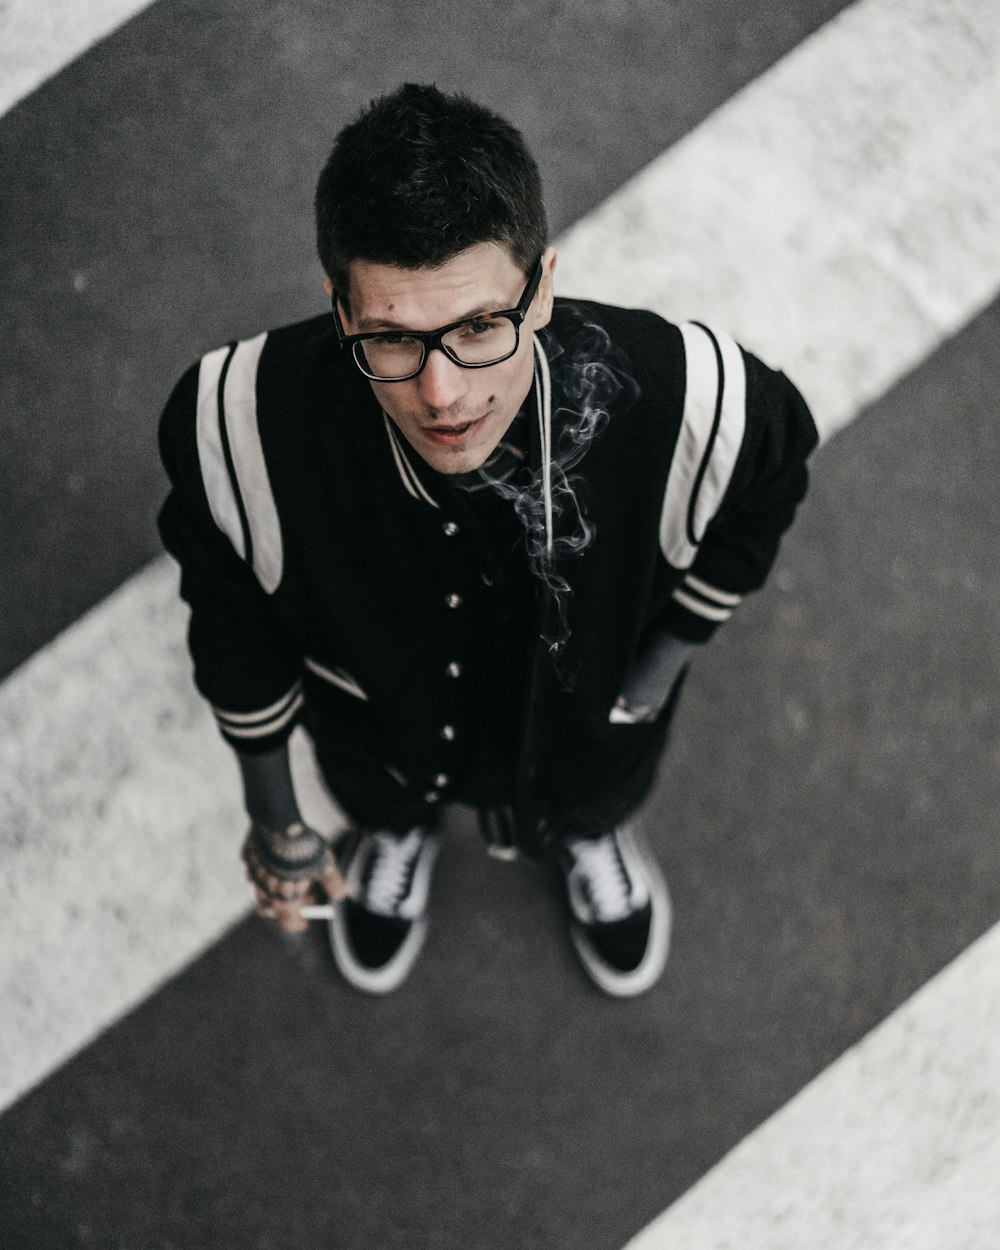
x,y
475,343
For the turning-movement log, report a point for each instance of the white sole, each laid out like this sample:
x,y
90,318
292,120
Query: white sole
x,y
378,980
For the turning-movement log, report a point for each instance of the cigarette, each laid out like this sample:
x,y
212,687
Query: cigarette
x,y
317,911
312,911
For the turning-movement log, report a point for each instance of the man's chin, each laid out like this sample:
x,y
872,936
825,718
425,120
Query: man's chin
x,y
455,453
451,463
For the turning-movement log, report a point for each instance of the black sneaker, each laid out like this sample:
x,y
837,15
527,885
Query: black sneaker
x,y
377,932
620,909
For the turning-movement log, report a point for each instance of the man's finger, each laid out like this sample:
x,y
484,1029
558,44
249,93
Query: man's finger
x,y
288,918
286,915
333,882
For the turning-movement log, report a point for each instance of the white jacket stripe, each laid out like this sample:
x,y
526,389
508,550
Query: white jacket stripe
x,y
403,466
240,398
729,436
337,677
262,730
211,457
394,448
724,597
261,714
239,404
543,403
700,608
706,450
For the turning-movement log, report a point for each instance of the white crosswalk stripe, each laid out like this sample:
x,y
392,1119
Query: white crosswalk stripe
x,y
120,820
840,215
39,37
896,1145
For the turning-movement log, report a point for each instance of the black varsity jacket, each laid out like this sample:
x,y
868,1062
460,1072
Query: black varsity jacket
x,y
327,570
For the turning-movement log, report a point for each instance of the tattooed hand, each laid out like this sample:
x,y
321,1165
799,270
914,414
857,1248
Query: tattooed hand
x,y
285,867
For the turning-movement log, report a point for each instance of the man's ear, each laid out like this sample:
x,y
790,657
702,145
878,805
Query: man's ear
x,y
541,311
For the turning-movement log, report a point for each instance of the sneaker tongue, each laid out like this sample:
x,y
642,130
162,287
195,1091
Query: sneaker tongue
x,y
389,871
604,880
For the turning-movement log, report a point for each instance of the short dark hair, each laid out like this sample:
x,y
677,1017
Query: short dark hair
x,y
421,175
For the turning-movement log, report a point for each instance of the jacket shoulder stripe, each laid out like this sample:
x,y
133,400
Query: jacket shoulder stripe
x,y
711,434
240,399
693,534
731,427
227,452
211,453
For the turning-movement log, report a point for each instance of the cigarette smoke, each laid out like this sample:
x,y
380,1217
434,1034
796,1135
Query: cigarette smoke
x,y
591,375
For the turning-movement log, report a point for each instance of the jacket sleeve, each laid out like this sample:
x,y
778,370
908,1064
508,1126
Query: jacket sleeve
x,y
735,545
246,665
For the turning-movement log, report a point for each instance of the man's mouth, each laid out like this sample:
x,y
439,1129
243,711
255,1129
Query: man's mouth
x,y
449,435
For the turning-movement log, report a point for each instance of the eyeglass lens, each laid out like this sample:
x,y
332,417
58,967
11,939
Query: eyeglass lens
x,y
483,341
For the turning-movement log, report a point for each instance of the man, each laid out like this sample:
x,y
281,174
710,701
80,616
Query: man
x,y
468,534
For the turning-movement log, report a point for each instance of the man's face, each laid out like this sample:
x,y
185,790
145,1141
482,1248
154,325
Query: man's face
x,y
452,417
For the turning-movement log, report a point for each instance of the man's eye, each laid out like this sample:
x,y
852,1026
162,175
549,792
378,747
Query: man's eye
x,y
479,327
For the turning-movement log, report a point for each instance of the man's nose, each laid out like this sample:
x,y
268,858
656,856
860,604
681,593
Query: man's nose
x,y
441,383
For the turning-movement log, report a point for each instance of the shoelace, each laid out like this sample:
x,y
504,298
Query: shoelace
x,y
390,869
602,873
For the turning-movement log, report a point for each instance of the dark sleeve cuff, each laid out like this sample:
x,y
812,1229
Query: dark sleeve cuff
x,y
258,730
697,609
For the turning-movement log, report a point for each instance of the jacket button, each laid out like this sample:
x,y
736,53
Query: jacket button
x,y
448,733
450,528
441,780
454,669
432,796
453,601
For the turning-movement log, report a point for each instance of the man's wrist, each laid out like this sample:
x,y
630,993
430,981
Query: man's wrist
x,y
657,667
268,789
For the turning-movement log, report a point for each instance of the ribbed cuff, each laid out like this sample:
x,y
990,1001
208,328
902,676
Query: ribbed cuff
x,y
262,729
697,609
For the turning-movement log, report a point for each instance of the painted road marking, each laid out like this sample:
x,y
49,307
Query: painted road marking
x,y
895,1145
119,822
119,807
840,215
39,37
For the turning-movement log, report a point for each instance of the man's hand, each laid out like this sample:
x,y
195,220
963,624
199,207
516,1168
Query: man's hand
x,y
651,680
285,866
